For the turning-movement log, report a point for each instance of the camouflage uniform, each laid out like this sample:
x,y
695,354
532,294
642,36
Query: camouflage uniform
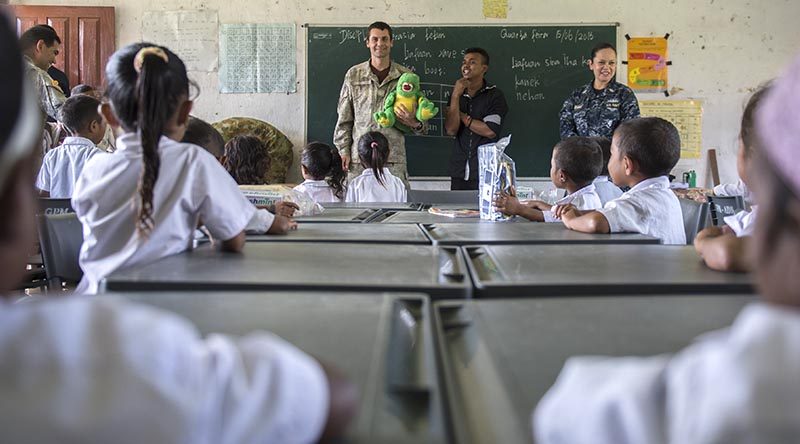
x,y
278,145
50,95
587,112
360,98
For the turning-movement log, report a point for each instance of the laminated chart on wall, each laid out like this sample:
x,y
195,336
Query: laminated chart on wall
x,y
686,115
495,9
647,64
257,58
192,35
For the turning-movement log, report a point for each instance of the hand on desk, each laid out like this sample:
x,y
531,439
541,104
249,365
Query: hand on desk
x,y
282,225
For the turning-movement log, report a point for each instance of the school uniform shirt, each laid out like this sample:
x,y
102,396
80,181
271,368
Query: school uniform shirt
x,y
192,186
489,106
584,199
742,223
62,166
649,208
737,188
737,385
318,191
101,369
606,189
366,188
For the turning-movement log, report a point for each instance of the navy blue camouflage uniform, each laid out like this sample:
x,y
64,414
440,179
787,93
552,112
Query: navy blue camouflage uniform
x,y
592,113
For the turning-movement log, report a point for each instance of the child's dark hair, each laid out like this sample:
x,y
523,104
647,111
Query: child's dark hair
x,y
601,46
652,142
35,33
373,150
579,157
323,162
201,133
78,112
81,89
247,160
748,130
605,148
146,84
480,51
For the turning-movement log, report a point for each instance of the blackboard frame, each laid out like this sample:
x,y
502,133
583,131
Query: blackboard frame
x,y
531,163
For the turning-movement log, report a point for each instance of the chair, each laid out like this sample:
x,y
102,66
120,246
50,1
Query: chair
x,y
694,217
722,206
49,205
443,196
61,236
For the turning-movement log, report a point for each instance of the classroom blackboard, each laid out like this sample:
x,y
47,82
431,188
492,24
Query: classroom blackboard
x,y
536,67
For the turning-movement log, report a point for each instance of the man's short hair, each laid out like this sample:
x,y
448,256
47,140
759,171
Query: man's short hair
x,y
202,134
579,157
480,51
29,38
652,142
78,112
383,26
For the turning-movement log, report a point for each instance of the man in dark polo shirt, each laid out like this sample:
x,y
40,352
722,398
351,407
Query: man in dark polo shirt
x,y
475,117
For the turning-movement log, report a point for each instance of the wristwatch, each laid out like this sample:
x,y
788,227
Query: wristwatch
x,y
419,127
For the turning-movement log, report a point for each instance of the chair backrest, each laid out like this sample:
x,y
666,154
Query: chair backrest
x,y
61,236
694,217
722,206
443,196
48,205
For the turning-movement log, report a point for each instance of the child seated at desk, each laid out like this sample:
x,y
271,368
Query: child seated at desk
x,y
376,183
575,163
62,165
201,133
643,151
737,385
321,167
99,369
724,248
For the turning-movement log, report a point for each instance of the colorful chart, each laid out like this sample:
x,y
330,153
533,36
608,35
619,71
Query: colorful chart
x,y
647,64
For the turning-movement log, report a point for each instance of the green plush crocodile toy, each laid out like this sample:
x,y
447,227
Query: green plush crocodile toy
x,y
408,95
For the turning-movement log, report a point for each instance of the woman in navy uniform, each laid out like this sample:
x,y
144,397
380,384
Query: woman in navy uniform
x,y
597,108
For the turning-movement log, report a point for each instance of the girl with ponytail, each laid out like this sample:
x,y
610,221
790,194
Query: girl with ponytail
x,y
322,170
144,201
376,183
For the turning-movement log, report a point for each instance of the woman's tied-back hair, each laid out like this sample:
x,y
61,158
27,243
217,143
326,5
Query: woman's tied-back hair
x,y
146,84
246,160
323,162
373,150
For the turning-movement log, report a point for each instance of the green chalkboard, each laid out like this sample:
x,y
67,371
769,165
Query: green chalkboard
x,y
536,67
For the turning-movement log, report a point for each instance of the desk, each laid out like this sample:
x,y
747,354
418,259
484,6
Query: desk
x,y
437,271
382,342
500,357
424,217
523,233
342,215
354,233
405,206
574,270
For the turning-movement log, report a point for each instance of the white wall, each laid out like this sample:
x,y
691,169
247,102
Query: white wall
x,y
721,49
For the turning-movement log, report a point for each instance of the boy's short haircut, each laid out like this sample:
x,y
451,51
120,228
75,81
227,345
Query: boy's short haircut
x,y
480,51
605,147
383,26
35,33
652,142
202,134
78,112
579,157
81,89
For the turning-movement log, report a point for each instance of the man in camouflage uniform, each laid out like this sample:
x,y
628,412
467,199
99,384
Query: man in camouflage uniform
x,y
41,45
363,92
597,109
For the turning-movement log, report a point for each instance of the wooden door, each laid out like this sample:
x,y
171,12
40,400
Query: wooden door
x,y
87,38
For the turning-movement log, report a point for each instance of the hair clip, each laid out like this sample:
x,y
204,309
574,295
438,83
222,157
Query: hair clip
x,y
138,60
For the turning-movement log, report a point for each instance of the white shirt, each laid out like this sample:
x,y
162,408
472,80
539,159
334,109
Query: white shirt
x,y
606,189
734,189
318,191
738,385
93,370
742,223
62,166
649,208
192,186
366,188
584,199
